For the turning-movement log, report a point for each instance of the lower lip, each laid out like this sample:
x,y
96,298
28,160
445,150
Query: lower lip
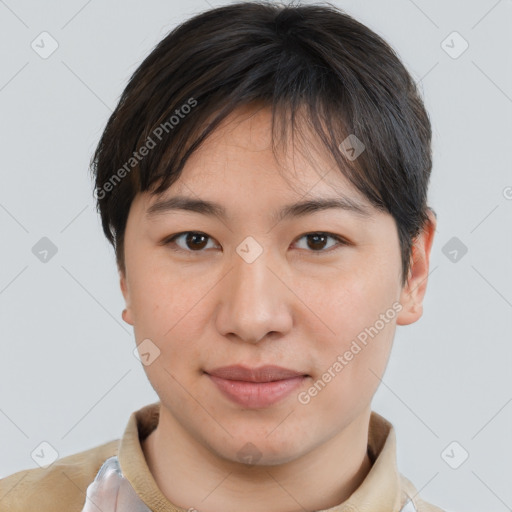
x,y
257,395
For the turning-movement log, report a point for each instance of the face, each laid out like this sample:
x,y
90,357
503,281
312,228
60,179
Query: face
x,y
261,323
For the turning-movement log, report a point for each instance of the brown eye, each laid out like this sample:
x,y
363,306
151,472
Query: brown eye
x,y
195,241
191,241
317,242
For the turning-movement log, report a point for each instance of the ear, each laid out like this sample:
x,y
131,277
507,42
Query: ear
x,y
127,313
411,296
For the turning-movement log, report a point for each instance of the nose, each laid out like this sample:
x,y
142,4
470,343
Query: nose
x,y
254,302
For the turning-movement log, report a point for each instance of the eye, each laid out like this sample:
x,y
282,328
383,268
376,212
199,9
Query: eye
x,y
196,241
317,242
193,241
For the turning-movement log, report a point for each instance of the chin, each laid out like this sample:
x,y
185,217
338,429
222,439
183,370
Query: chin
x,y
254,450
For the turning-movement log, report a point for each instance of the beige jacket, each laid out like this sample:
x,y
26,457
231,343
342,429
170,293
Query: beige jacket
x,y
70,483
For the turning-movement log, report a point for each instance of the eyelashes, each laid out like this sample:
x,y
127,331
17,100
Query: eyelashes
x,y
200,240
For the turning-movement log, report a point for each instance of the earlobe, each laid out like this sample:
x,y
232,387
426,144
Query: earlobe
x,y
127,313
414,290
410,313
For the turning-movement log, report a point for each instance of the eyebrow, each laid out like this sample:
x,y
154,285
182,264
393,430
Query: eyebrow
x,y
209,208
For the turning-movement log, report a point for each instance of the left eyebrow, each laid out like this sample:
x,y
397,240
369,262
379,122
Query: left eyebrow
x,y
299,209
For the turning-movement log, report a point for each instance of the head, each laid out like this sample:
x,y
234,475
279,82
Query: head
x,y
243,112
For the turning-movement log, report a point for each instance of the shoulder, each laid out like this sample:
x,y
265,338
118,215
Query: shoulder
x,y
61,486
411,493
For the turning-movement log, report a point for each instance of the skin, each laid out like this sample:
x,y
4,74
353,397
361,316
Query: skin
x,y
294,306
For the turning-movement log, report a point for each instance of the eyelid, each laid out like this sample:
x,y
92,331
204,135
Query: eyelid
x,y
170,240
341,241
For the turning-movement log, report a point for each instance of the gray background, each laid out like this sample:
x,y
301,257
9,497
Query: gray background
x,y
67,372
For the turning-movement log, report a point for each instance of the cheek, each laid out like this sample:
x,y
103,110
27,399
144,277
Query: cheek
x,y
166,311
349,376
162,300
349,305
360,313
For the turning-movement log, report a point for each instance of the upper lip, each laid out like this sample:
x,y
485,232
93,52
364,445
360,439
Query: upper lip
x,y
266,373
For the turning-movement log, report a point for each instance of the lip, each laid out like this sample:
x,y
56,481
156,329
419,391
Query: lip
x,y
256,387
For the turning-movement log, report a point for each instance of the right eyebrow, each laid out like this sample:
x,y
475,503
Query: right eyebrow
x,y
201,206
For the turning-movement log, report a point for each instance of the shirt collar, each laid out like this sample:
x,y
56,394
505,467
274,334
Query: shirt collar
x,y
380,490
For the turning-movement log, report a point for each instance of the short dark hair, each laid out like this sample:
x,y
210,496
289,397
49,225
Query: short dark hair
x,y
314,59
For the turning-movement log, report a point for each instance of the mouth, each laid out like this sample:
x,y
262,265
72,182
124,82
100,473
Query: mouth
x,y
256,388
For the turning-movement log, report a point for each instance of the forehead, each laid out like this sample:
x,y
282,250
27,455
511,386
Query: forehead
x,y
238,156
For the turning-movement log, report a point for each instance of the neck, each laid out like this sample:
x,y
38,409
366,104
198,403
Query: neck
x,y
192,477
